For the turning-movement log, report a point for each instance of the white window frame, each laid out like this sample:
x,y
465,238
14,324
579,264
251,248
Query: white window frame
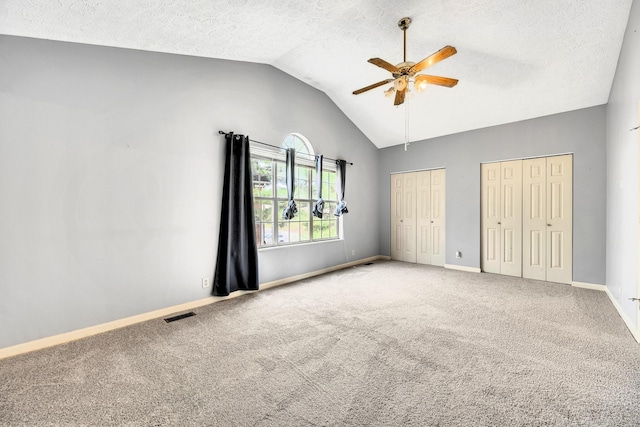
x,y
259,151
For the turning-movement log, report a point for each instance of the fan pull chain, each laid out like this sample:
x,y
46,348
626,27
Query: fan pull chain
x,y
406,125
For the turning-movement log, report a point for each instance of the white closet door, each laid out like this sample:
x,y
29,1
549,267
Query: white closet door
x,y
534,219
559,219
490,205
418,217
511,227
409,217
438,185
396,216
423,200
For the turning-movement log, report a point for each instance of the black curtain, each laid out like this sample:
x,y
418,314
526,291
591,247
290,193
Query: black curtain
x,y
318,206
237,262
291,209
341,169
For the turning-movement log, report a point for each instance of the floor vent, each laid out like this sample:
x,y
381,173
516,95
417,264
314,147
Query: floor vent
x,y
179,316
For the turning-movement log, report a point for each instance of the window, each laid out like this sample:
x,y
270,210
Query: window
x,y
270,196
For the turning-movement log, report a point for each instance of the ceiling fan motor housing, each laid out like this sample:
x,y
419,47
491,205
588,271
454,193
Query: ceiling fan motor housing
x,y
404,69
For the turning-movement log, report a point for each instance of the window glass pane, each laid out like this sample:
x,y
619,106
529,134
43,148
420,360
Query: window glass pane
x,y
294,231
332,230
282,180
262,171
283,232
263,210
304,211
331,191
317,229
304,231
300,146
264,234
314,190
303,188
332,177
283,225
328,185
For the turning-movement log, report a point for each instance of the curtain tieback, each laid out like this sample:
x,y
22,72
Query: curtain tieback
x,y
290,211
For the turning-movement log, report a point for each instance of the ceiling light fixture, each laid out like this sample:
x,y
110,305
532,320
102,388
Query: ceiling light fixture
x,y
400,83
406,72
420,85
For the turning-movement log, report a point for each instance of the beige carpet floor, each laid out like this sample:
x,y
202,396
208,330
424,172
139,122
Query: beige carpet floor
x,y
388,344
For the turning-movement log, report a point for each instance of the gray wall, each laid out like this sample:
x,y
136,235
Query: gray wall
x,y
110,178
622,170
580,132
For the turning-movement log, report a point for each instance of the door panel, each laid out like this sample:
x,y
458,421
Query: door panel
x,y
423,194
438,215
396,217
511,221
409,217
490,205
534,218
560,219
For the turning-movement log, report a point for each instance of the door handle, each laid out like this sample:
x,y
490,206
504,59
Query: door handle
x,y
431,222
548,225
634,299
499,223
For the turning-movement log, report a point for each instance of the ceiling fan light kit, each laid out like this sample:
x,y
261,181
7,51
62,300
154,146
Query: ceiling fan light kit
x,y
405,72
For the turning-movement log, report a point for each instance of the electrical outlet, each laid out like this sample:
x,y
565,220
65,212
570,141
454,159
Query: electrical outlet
x,y
458,254
353,252
205,282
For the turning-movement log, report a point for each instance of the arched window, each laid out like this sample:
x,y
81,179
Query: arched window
x,y
270,196
299,143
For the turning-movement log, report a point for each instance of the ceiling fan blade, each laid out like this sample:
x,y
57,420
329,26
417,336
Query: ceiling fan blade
x,y
443,53
384,64
437,80
373,86
399,97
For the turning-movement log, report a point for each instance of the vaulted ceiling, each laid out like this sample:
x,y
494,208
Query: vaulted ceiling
x,y
516,60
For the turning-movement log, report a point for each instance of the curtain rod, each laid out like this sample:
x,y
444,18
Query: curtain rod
x,y
221,132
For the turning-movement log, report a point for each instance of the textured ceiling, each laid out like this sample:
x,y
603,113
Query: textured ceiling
x,y
517,59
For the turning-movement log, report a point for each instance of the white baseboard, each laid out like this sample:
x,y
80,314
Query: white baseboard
x,y
462,268
592,286
127,321
319,272
632,328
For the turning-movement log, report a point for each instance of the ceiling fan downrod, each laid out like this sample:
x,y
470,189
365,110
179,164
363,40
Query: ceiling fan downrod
x,y
403,24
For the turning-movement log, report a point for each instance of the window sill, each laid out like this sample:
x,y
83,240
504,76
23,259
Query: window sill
x,y
296,245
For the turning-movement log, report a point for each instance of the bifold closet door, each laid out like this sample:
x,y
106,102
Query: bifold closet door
x,y
511,227
534,221
548,219
438,190
418,217
403,217
396,217
423,202
501,204
490,206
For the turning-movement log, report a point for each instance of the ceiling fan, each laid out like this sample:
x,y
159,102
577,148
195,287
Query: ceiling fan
x,y
405,72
